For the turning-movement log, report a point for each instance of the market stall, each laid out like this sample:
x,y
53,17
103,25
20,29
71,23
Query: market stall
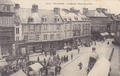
x,y
19,73
3,63
34,69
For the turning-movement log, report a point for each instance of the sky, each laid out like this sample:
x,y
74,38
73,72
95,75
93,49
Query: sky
x,y
113,6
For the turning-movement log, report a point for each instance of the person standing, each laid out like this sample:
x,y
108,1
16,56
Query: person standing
x,y
38,59
45,53
67,57
108,42
78,50
44,61
71,56
95,43
80,65
64,58
55,70
113,49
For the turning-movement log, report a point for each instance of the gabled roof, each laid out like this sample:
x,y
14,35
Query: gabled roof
x,y
25,13
6,2
95,13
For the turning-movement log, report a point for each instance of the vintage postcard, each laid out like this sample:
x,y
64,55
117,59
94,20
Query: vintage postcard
x,y
59,37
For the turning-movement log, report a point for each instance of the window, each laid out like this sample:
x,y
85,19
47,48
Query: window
x,y
52,36
45,27
65,19
8,7
25,37
58,19
79,27
76,18
58,36
43,19
45,37
37,37
70,19
58,27
31,28
17,30
25,28
30,19
55,19
17,38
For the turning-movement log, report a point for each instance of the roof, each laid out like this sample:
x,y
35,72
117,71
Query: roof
x,y
6,2
36,67
19,73
72,16
25,13
3,63
95,13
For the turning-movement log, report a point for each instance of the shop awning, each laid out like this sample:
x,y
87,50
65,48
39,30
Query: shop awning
x,y
3,63
112,34
19,73
36,67
104,34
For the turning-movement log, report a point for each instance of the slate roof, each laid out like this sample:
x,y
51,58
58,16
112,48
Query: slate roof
x,y
25,13
73,16
95,13
6,2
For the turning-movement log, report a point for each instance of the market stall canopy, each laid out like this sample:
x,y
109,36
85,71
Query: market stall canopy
x,y
19,73
112,34
3,63
102,63
104,34
36,67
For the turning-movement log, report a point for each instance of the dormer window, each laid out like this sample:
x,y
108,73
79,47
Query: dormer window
x,y
65,19
70,19
56,19
30,19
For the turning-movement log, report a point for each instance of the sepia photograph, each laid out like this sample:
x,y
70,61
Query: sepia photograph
x,y
59,37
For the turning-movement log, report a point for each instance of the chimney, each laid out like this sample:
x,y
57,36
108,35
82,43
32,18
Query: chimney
x,y
57,11
34,8
17,6
85,10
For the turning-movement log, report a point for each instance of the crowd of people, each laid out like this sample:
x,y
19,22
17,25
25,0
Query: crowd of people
x,y
54,61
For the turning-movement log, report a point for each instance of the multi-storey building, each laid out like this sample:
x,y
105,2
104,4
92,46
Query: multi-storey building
x,y
116,27
79,26
6,27
99,20
48,30
41,29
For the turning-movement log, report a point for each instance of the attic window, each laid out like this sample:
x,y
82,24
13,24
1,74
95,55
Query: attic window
x,y
83,19
65,19
43,19
76,18
70,19
30,19
56,19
